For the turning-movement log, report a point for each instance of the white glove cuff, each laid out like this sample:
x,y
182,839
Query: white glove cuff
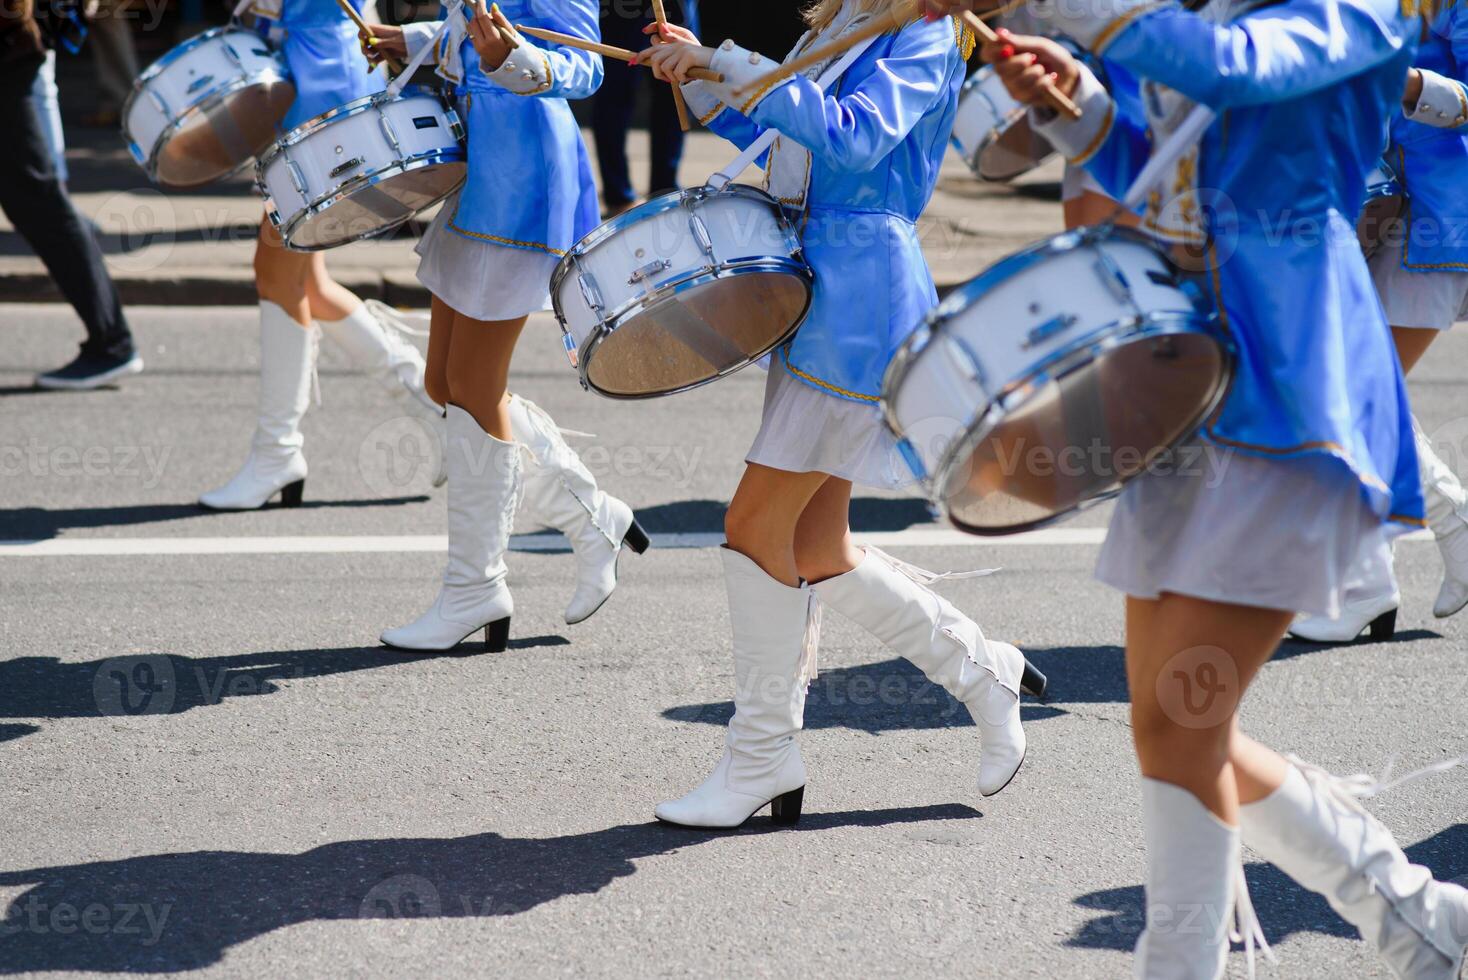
x,y
1443,102
1078,139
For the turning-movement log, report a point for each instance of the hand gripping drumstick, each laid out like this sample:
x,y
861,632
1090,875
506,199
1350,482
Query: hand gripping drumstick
x,y
1056,99
356,18
606,50
678,101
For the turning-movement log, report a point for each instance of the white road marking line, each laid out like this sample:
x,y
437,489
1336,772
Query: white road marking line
x,y
407,544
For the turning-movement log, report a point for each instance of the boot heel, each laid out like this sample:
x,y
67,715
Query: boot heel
x,y
1033,682
290,494
497,636
1384,627
785,808
636,538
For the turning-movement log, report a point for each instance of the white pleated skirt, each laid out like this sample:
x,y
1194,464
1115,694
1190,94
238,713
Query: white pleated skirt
x,y
805,430
1286,534
1425,300
481,279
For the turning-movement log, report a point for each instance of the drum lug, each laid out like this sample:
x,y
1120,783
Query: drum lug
x,y
701,234
590,293
1115,280
388,133
297,177
1055,325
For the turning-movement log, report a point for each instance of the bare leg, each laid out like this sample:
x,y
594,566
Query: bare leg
x,y
281,275
440,340
329,299
1412,343
1189,662
1091,208
823,545
478,369
764,514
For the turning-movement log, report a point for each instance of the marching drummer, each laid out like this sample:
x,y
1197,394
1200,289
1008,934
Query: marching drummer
x,y
858,168
488,259
1421,273
296,292
1321,467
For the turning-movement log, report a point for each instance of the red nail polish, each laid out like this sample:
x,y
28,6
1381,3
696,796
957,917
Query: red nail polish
x,y
1007,51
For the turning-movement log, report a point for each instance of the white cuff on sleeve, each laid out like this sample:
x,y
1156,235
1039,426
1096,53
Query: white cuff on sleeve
x,y
527,71
415,36
1442,103
1093,24
1078,139
702,102
743,87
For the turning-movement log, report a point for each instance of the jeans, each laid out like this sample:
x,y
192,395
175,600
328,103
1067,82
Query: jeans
x,y
33,199
611,114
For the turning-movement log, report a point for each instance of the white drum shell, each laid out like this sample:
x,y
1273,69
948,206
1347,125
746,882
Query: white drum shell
x,y
618,263
197,72
1002,329
363,141
985,111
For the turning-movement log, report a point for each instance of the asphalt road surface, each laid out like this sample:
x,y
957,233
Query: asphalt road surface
x,y
207,764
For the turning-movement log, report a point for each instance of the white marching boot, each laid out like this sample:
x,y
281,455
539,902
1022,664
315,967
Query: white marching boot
x,y
276,463
1194,878
889,600
561,493
1447,515
373,336
484,487
1314,829
761,762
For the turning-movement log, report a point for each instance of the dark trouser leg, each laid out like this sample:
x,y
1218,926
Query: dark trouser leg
x,y
34,201
667,140
611,115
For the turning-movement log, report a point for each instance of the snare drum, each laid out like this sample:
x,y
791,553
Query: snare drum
x,y
362,169
1386,202
1053,378
992,131
207,108
681,291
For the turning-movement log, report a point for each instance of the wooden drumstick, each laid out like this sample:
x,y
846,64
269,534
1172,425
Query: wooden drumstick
x,y
678,101
1056,99
606,50
507,36
356,18
826,52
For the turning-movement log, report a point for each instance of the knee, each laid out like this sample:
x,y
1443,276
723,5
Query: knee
x,y
743,522
1172,737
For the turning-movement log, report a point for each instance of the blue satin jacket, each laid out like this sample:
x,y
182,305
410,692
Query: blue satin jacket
x,y
530,184
320,45
877,141
1433,159
1304,91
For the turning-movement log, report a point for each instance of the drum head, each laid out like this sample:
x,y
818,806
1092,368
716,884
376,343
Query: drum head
x,y
1018,150
374,208
223,134
698,334
1381,223
1113,413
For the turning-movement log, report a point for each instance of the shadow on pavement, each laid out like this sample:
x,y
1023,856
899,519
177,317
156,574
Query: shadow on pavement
x,y
172,912
889,696
40,523
9,732
171,684
707,516
1284,907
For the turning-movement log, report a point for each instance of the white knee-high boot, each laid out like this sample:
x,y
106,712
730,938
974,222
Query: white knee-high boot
x,y
275,463
1447,515
1315,830
761,762
1194,876
372,336
883,596
484,488
560,492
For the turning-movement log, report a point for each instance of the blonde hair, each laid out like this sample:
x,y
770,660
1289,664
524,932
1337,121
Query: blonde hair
x,y
821,12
